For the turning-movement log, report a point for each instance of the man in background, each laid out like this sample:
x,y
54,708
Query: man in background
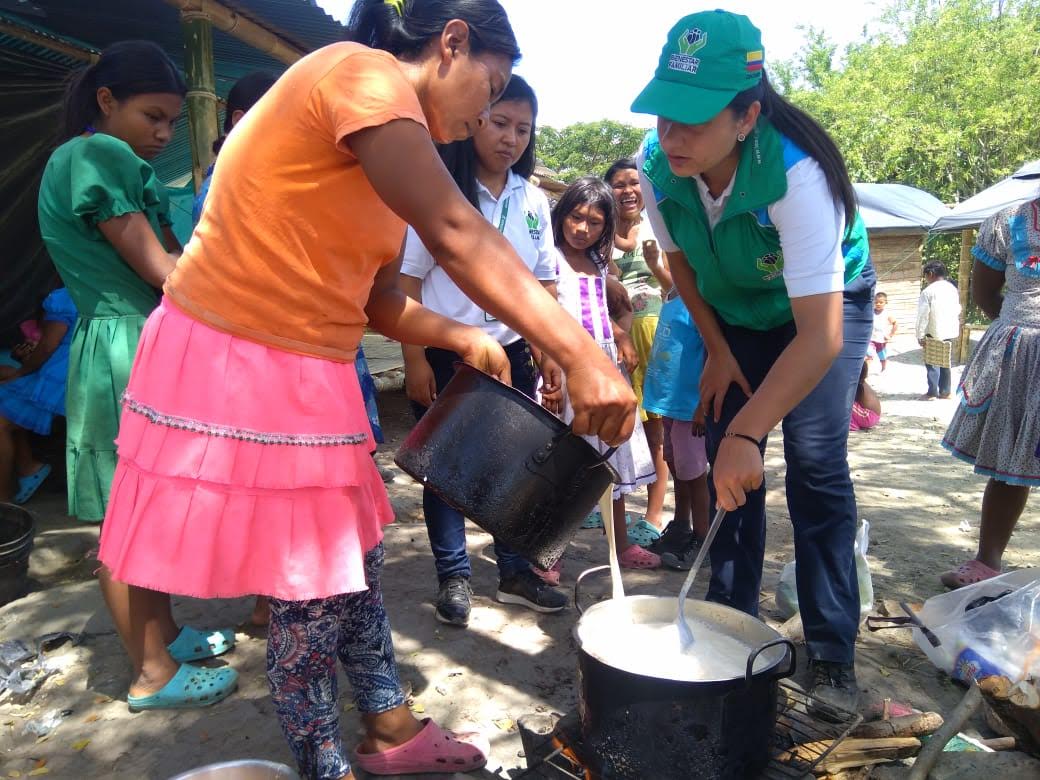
x,y
938,318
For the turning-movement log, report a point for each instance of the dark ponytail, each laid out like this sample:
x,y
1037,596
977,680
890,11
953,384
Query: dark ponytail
x,y
807,134
404,34
460,157
127,68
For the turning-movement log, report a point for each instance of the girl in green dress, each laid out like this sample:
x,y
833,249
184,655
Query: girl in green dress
x,y
104,218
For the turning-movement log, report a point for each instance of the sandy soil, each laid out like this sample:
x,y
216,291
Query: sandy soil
x,y
922,505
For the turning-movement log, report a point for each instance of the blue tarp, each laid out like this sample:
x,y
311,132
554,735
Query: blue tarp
x,y
898,207
1021,186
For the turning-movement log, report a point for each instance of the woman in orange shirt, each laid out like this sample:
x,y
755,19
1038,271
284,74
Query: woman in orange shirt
x,y
244,448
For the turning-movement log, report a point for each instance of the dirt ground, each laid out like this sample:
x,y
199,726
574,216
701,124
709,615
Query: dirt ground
x,y
922,505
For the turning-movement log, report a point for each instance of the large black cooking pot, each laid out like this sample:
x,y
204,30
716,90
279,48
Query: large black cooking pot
x,y
507,464
639,726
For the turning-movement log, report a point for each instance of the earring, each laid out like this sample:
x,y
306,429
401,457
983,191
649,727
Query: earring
x,y
741,137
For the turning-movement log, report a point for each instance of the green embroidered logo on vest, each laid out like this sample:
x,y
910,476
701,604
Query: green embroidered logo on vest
x,y
771,265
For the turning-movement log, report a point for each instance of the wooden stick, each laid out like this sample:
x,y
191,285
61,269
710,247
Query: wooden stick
x,y
904,726
852,753
961,714
1000,743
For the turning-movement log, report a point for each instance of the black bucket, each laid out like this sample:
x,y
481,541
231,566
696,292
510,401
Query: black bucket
x,y
506,463
17,529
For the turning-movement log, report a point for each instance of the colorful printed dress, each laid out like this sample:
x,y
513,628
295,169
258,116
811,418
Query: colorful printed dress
x,y
584,297
33,401
997,426
645,293
89,180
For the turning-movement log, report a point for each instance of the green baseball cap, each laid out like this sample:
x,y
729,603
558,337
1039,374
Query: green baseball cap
x,y
708,58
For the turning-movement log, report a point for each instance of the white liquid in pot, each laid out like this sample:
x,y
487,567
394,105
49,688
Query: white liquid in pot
x,y
654,650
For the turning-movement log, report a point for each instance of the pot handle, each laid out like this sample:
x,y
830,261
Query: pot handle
x,y
749,673
577,586
543,454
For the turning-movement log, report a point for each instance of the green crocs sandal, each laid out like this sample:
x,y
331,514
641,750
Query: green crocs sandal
x,y
194,645
643,533
192,686
593,520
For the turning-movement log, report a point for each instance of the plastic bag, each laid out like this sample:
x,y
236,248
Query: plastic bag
x,y
787,589
991,627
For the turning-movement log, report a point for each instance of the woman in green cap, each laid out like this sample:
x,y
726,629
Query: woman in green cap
x,y
752,203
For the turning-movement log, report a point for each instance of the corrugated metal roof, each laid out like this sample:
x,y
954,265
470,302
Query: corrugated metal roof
x,y
301,22
102,22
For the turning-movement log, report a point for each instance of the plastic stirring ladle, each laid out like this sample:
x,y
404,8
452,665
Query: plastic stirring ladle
x,y
685,634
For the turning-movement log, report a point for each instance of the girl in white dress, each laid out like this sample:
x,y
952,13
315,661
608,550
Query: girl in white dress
x,y
583,227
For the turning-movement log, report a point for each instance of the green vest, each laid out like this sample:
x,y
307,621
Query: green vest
x,y
739,263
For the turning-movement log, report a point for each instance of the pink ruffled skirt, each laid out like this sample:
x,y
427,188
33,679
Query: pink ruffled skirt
x,y
243,469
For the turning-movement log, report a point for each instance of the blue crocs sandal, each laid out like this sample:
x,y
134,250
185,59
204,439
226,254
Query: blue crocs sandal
x,y
192,686
194,645
28,485
594,520
643,533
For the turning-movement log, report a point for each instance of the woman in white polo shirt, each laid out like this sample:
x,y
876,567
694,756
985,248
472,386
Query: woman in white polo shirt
x,y
492,170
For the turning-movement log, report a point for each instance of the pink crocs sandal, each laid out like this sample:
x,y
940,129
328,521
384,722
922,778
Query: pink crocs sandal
x,y
968,573
635,557
550,576
431,750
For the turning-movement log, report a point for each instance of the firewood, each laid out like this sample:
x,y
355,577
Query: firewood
x,y
996,687
853,753
961,714
1026,696
1017,707
905,726
1000,743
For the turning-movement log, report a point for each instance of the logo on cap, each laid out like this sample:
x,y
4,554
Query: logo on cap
x,y
690,42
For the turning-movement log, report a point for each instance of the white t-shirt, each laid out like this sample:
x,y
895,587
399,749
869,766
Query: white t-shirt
x,y
810,223
939,311
528,229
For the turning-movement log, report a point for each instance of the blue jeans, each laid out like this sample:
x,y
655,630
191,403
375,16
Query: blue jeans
x,y
938,380
820,496
446,526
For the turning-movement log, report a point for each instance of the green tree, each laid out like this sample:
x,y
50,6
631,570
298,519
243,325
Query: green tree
x,y
586,147
941,96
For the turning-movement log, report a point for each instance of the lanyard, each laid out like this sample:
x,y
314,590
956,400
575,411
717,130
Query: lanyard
x,y
505,214
502,230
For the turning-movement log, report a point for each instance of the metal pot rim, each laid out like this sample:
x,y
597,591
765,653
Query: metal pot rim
x,y
756,634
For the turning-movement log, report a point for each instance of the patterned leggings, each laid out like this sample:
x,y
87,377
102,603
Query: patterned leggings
x,y
304,639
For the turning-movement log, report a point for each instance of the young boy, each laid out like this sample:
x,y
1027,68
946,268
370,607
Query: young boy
x,y
885,327
671,389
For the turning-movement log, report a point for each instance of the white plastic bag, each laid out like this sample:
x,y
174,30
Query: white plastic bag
x,y
787,589
991,627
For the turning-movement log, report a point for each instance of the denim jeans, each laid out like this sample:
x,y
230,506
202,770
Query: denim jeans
x,y
820,495
939,382
445,526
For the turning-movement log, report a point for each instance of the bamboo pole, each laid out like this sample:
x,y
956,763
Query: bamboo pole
x,y
202,91
226,20
61,47
964,288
